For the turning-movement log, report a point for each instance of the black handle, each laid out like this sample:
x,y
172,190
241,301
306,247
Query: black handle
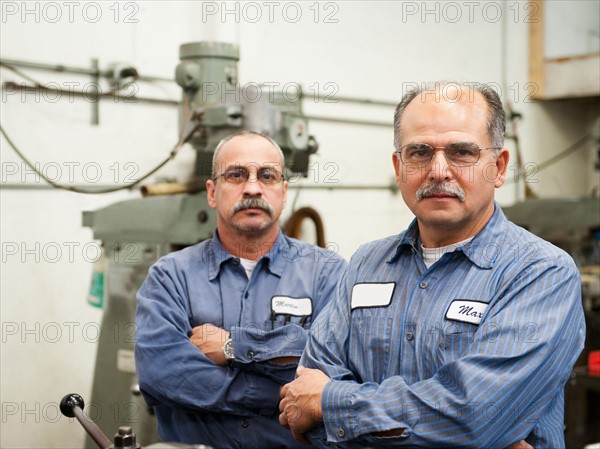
x,y
72,407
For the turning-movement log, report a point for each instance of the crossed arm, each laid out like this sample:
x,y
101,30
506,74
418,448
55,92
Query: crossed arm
x,y
210,339
331,395
300,407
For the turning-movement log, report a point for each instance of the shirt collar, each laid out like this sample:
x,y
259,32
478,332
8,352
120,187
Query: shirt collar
x,y
274,258
487,246
483,250
408,239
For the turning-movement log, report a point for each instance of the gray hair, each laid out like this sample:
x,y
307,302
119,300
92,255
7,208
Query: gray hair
x,y
238,134
496,120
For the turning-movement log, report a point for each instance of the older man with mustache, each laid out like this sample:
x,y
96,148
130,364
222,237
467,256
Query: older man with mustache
x,y
461,332
222,324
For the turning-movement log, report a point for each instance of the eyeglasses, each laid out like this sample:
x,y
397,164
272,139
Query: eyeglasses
x,y
240,175
460,154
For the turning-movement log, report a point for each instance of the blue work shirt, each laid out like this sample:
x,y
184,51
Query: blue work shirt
x,y
473,352
268,316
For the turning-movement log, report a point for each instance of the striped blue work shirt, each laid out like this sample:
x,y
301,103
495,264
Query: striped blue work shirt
x,y
473,352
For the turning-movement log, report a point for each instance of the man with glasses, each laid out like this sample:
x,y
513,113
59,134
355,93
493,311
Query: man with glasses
x,y
222,324
459,332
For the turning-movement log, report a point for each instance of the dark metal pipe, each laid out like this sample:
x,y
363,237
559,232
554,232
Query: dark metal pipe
x,y
349,121
107,73
72,69
89,95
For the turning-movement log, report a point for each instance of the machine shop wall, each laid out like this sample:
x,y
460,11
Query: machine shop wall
x,y
374,50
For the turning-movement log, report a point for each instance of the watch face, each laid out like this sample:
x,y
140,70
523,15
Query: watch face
x,y
228,349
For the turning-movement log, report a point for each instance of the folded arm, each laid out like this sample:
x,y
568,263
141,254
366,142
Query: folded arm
x,y
500,382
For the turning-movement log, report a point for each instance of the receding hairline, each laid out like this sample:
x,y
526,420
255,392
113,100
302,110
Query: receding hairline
x,y
245,134
496,120
464,99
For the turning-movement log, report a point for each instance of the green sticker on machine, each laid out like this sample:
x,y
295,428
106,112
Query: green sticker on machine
x,y
96,295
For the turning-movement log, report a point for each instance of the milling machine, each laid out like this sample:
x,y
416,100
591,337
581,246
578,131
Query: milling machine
x,y
135,233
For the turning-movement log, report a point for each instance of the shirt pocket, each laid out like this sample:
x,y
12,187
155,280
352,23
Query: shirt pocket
x,y
455,340
371,441
280,321
291,310
369,346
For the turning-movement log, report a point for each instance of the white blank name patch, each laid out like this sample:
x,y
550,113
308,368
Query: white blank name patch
x,y
466,311
372,294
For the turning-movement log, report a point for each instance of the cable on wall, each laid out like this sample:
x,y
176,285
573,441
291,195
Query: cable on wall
x,y
191,127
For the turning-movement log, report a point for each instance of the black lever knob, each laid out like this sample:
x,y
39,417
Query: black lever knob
x,y
68,404
72,406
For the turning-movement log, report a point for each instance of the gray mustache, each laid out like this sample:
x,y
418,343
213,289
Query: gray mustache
x,y
433,189
252,203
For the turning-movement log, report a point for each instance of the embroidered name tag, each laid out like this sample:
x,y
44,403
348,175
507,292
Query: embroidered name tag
x,y
372,294
466,311
286,305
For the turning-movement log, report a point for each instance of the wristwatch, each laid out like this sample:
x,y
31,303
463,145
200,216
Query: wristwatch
x,y
228,350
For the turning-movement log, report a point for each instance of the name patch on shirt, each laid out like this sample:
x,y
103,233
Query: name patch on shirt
x,y
286,305
466,311
372,294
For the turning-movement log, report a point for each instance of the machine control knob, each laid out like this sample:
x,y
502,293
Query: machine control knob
x,y
68,404
135,390
188,75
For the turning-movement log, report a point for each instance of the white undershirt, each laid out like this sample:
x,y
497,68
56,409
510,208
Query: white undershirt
x,y
432,255
248,266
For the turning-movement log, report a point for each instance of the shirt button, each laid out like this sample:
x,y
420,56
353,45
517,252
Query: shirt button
x,y
340,432
410,336
245,424
250,355
423,284
246,295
